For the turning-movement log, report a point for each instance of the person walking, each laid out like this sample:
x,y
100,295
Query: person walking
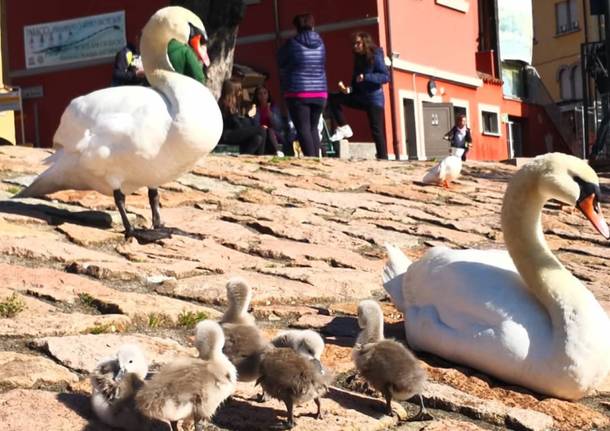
x,y
459,137
302,66
365,93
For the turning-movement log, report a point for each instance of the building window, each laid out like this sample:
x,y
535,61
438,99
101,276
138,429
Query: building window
x,y
490,123
577,82
566,16
565,84
513,78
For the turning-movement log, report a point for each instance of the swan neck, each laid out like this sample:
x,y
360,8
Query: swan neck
x,y
541,271
372,332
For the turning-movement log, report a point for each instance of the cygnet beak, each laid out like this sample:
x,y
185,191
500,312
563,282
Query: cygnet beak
x,y
120,375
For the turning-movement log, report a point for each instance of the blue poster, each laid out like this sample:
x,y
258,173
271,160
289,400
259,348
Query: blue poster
x,y
516,30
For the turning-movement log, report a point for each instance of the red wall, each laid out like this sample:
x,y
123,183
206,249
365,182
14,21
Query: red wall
x,y
60,87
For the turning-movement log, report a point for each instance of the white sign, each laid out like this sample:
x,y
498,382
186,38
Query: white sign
x,y
74,40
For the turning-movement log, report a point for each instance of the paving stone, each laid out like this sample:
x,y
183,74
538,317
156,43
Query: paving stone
x,y
27,410
28,371
342,410
82,352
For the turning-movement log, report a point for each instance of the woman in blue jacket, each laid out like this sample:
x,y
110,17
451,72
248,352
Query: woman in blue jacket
x,y
302,64
365,92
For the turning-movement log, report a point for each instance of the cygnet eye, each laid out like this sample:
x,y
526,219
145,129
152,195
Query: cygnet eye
x,y
131,361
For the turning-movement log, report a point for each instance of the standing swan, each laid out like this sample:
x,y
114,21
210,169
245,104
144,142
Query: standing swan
x,y
119,139
530,322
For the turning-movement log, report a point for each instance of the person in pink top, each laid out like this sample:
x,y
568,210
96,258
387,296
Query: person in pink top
x,y
302,64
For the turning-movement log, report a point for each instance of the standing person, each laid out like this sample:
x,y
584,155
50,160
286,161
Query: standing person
x,y
268,115
365,92
302,64
241,129
127,69
459,137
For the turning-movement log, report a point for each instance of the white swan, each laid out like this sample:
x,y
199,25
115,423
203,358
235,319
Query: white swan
x,y
119,139
530,322
444,171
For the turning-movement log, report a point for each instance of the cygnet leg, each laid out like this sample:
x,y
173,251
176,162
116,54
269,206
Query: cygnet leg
x,y
423,414
290,410
319,404
174,425
387,394
199,425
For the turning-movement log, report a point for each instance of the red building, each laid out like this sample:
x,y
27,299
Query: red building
x,y
448,42
453,43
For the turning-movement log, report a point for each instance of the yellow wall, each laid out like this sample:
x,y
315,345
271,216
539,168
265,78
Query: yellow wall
x,y
7,118
552,51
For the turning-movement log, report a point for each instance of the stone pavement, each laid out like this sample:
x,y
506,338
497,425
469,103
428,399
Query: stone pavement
x,y
307,234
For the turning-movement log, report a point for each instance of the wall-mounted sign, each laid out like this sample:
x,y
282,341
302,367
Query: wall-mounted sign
x,y
32,92
74,40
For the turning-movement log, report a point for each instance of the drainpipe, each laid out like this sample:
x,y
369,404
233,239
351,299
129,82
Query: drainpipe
x,y
276,18
395,142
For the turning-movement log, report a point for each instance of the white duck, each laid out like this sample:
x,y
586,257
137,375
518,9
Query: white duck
x,y
444,171
119,139
530,322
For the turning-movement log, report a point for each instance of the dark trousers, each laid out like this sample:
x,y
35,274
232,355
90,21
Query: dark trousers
x,y
305,115
256,140
373,112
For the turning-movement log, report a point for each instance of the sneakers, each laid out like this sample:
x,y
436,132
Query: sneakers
x,y
279,153
342,132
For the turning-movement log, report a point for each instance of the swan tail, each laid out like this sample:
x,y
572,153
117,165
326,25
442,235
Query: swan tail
x,y
393,272
50,181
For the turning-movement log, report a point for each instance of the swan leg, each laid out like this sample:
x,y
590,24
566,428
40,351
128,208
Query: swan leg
x,y
318,402
422,414
119,200
153,199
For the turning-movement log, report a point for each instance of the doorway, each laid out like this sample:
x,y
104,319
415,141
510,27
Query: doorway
x,y
410,128
514,132
438,120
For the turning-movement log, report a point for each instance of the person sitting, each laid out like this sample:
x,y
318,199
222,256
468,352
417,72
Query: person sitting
x,y
127,69
240,129
365,92
268,115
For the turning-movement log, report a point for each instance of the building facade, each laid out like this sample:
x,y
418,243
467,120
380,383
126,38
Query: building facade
x,y
560,30
453,45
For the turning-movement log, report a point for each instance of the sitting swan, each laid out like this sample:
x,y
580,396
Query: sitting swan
x,y
520,316
119,139
444,172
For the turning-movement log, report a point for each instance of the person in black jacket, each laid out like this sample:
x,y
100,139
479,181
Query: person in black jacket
x,y
365,92
459,137
302,64
127,69
240,129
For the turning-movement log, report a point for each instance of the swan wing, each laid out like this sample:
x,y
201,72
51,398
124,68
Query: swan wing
x,y
435,174
113,122
472,306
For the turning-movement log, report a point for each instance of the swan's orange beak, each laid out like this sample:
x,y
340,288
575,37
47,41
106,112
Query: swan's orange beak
x,y
591,209
200,50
